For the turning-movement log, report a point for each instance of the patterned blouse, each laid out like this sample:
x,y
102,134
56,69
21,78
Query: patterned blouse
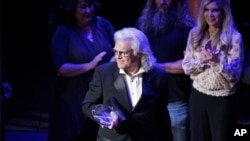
x,y
210,79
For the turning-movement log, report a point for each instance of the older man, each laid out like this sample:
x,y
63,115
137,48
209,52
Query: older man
x,y
138,87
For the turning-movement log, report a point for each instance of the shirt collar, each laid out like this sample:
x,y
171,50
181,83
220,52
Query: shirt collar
x,y
141,70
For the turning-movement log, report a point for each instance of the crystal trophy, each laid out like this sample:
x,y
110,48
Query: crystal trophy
x,y
104,115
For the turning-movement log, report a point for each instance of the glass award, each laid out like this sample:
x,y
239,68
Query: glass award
x,y
103,114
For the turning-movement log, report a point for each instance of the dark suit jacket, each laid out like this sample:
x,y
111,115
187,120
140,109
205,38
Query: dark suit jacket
x,y
147,121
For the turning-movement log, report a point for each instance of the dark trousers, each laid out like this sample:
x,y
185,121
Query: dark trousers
x,y
211,118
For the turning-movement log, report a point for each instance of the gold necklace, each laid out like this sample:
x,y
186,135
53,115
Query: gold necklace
x,y
212,34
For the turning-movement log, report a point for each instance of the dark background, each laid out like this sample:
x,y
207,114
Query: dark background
x,y
26,31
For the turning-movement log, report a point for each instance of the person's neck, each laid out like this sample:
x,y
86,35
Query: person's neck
x,y
85,27
213,30
132,70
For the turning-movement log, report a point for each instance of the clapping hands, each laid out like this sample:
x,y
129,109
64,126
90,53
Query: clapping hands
x,y
209,52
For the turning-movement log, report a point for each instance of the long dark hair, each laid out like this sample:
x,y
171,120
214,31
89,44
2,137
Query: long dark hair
x,y
66,11
180,17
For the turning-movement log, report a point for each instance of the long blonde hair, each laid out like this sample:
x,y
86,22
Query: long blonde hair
x,y
227,28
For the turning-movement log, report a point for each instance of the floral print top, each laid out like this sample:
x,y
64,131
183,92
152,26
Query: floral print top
x,y
219,79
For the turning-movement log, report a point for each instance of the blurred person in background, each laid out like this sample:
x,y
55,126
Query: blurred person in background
x,y
81,41
167,24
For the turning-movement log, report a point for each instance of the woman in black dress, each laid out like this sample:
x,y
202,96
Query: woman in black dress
x,y
80,43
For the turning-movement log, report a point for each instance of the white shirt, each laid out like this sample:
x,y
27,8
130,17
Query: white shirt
x,y
134,85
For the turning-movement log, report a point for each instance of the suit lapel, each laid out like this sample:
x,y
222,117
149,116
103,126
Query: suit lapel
x,y
122,93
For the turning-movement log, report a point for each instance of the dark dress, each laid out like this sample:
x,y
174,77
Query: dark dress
x,y
70,45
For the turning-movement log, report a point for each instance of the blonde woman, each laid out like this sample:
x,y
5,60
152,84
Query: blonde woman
x,y
213,59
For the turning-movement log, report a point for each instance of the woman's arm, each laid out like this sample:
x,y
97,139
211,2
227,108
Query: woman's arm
x,y
232,67
192,64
